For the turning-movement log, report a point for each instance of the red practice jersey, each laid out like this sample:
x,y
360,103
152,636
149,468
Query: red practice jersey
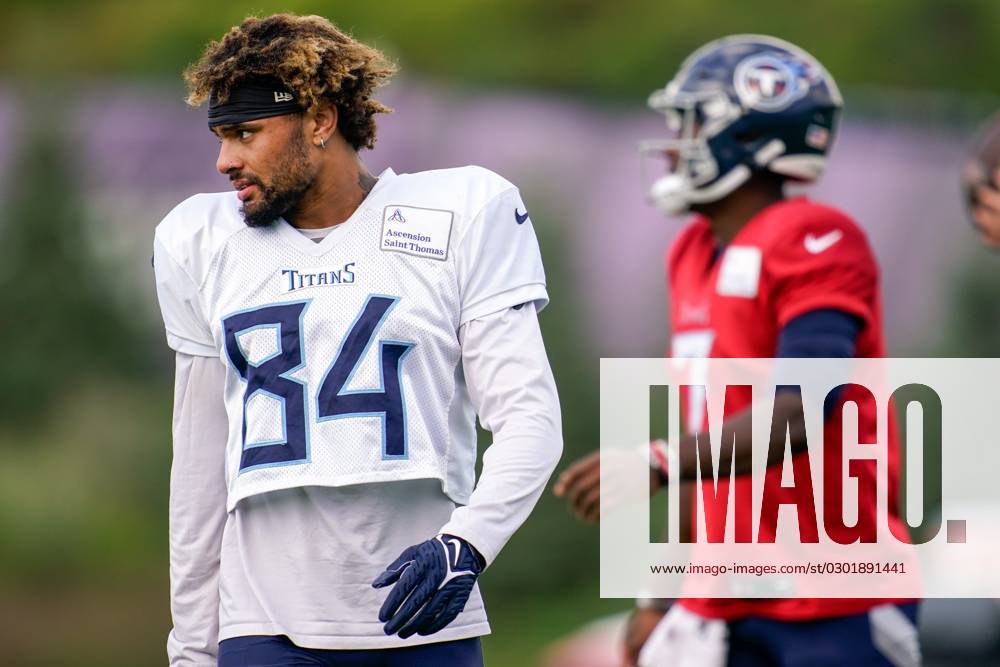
x,y
793,257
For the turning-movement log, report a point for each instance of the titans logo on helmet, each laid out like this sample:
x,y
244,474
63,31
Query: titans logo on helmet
x,y
769,83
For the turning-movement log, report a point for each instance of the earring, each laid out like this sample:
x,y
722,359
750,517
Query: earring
x,y
322,143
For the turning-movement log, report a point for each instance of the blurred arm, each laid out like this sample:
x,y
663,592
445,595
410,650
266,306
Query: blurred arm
x,y
197,510
823,333
514,394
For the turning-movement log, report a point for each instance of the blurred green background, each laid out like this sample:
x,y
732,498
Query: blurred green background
x,y
85,386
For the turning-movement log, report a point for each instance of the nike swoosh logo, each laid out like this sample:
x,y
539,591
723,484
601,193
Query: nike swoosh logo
x,y
817,244
452,547
520,218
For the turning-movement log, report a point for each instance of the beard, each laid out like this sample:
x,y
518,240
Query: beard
x,y
293,176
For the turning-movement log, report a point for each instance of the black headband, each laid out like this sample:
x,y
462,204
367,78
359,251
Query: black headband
x,y
250,99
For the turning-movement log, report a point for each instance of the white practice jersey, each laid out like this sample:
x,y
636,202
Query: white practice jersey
x,y
300,562
344,356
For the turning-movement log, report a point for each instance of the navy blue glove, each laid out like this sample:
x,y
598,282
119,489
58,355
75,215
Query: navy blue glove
x,y
433,582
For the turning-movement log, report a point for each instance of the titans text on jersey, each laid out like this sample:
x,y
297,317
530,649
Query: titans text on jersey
x,y
301,280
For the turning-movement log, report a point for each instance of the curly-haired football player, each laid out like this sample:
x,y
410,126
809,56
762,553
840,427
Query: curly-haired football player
x,y
336,335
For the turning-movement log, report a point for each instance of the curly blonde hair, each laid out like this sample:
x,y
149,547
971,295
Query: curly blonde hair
x,y
311,56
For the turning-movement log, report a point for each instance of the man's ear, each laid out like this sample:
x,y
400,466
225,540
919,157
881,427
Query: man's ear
x,y
324,124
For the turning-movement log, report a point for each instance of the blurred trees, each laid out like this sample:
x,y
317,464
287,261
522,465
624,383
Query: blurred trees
x,y
84,427
972,325
61,328
599,48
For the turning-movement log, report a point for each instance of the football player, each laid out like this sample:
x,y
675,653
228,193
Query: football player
x,y
336,334
757,273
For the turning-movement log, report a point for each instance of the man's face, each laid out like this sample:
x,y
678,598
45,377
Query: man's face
x,y
267,161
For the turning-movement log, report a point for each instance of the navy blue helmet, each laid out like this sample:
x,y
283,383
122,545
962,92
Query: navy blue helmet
x,y
741,104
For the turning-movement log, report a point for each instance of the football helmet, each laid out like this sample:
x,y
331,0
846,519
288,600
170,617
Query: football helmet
x,y
741,104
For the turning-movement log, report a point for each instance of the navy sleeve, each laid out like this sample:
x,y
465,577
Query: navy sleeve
x,y
820,334
824,333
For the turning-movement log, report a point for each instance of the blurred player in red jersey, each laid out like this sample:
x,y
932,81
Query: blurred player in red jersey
x,y
759,274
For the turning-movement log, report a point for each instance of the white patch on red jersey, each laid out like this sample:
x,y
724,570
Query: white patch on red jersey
x,y
740,272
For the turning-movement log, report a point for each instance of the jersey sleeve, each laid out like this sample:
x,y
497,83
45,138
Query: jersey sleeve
x,y
197,510
186,327
511,386
823,263
498,261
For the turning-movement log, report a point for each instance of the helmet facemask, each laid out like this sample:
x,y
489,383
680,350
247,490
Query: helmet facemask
x,y
680,169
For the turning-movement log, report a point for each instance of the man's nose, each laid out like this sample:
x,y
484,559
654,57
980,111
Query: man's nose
x,y
229,159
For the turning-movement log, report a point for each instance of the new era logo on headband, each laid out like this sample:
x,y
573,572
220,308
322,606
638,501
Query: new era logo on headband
x,y
252,98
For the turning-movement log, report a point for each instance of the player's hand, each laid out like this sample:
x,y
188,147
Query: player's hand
x,y
580,484
639,626
433,582
986,212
